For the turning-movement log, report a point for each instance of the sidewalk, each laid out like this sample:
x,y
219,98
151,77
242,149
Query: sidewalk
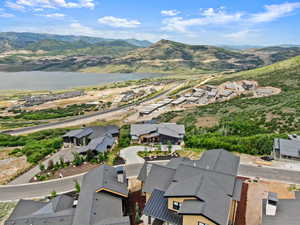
x,y
26,177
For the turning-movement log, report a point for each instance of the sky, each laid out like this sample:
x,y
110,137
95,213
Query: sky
x,y
222,22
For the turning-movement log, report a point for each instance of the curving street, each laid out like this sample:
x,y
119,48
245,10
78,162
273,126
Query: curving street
x,y
36,190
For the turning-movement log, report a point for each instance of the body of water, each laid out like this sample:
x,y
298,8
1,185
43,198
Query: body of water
x,y
37,80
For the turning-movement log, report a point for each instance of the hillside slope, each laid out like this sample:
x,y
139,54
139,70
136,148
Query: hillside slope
x,y
173,57
275,114
14,40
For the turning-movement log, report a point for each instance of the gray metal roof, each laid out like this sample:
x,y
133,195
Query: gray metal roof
x,y
288,147
96,206
212,202
159,178
79,133
219,160
100,131
287,212
168,129
100,144
57,211
103,177
93,132
211,180
157,207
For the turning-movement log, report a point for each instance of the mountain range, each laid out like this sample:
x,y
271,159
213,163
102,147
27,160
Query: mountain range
x,y
31,51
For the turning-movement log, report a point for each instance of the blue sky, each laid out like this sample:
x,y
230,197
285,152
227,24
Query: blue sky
x,y
234,22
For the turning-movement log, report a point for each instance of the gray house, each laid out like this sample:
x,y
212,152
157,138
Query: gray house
x,y
286,149
97,139
163,133
102,201
186,192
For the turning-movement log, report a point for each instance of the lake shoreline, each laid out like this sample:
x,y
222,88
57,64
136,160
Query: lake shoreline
x,y
35,81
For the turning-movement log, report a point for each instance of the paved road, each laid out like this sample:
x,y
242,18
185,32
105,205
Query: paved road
x,y
86,118
288,176
8,192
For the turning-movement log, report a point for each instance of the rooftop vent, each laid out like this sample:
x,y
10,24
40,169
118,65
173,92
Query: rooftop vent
x,y
272,203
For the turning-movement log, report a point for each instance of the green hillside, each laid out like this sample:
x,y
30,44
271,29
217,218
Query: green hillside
x,y
243,124
173,57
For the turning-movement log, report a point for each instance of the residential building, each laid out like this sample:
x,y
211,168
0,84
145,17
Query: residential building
x,y
164,133
280,211
188,192
102,201
286,149
97,138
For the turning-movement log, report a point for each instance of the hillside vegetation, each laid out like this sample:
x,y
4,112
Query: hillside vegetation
x,y
27,51
248,124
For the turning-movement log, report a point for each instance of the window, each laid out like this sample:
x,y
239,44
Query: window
x,y
176,205
200,223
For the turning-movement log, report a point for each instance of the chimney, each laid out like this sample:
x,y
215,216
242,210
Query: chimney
x,y
272,204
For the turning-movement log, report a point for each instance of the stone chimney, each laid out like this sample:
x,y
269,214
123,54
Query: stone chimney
x,y
272,204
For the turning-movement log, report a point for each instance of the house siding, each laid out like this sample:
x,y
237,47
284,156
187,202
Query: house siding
x,y
193,220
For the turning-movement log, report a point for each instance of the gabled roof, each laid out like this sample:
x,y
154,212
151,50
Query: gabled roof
x,y
211,181
56,211
157,207
159,178
100,131
100,203
219,160
168,129
94,195
214,203
93,132
99,144
79,133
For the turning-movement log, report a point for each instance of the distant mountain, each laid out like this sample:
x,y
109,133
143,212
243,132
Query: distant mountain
x,y
173,57
73,53
13,40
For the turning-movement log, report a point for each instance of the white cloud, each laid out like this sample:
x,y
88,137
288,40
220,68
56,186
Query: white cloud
x,y
78,29
22,4
208,17
274,12
14,6
239,34
6,15
119,22
55,15
173,12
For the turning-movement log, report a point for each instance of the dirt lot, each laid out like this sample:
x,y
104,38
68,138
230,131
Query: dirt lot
x,y
11,166
207,121
257,192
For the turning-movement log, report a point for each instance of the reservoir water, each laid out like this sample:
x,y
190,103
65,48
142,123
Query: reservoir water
x,y
37,80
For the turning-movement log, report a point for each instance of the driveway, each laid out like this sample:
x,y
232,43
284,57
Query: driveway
x,y
130,154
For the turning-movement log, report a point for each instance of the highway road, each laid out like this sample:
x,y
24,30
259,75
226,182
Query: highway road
x,y
86,118
36,190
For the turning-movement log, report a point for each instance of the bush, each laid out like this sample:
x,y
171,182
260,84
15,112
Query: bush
x,y
125,138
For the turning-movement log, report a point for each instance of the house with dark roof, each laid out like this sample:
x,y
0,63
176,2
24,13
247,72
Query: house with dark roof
x,y
102,201
280,211
286,148
193,192
163,133
96,139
